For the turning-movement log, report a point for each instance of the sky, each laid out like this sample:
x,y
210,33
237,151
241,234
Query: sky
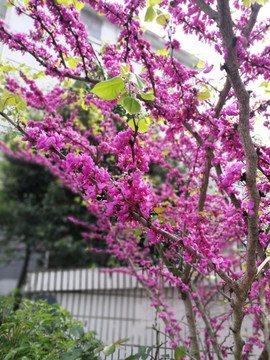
x,y
191,43
207,54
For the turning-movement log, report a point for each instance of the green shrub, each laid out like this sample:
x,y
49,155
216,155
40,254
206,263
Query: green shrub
x,y
39,331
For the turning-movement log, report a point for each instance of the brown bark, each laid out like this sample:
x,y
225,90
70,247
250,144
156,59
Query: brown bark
x,y
265,321
207,323
232,68
194,343
209,150
238,316
264,355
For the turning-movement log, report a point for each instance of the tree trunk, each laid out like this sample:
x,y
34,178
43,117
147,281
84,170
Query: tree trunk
x,y
22,277
238,315
194,343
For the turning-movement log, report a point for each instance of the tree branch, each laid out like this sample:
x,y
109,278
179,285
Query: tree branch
x,y
207,323
232,68
265,312
231,283
13,123
196,135
242,95
252,20
209,150
206,9
191,322
206,175
45,64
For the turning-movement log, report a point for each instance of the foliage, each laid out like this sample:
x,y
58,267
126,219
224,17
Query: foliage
x,y
30,192
143,353
38,330
201,225
42,331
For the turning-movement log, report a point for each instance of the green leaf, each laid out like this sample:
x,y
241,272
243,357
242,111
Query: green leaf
x,y
179,352
13,353
163,19
150,14
8,4
108,350
203,95
139,82
125,70
247,3
131,123
39,75
7,68
72,63
76,353
262,2
121,99
163,52
10,99
143,124
77,330
148,96
200,64
144,352
132,105
21,103
138,232
153,2
78,5
267,87
159,210
109,89
5,95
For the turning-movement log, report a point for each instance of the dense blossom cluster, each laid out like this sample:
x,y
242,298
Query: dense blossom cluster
x,y
166,164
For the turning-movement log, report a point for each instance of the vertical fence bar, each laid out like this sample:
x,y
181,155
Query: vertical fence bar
x,y
112,304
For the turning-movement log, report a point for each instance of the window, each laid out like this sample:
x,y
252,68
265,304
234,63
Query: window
x,y
93,24
3,10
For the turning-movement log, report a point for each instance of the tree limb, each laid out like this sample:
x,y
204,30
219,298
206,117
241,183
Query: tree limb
x,y
191,322
232,68
231,283
207,323
252,20
206,9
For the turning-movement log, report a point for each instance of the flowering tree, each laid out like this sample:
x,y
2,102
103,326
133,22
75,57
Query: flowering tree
x,y
163,156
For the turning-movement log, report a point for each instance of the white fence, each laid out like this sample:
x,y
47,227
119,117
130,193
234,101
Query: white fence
x,y
112,304
116,307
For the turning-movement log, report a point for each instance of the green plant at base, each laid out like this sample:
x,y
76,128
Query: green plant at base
x,y
39,331
143,353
